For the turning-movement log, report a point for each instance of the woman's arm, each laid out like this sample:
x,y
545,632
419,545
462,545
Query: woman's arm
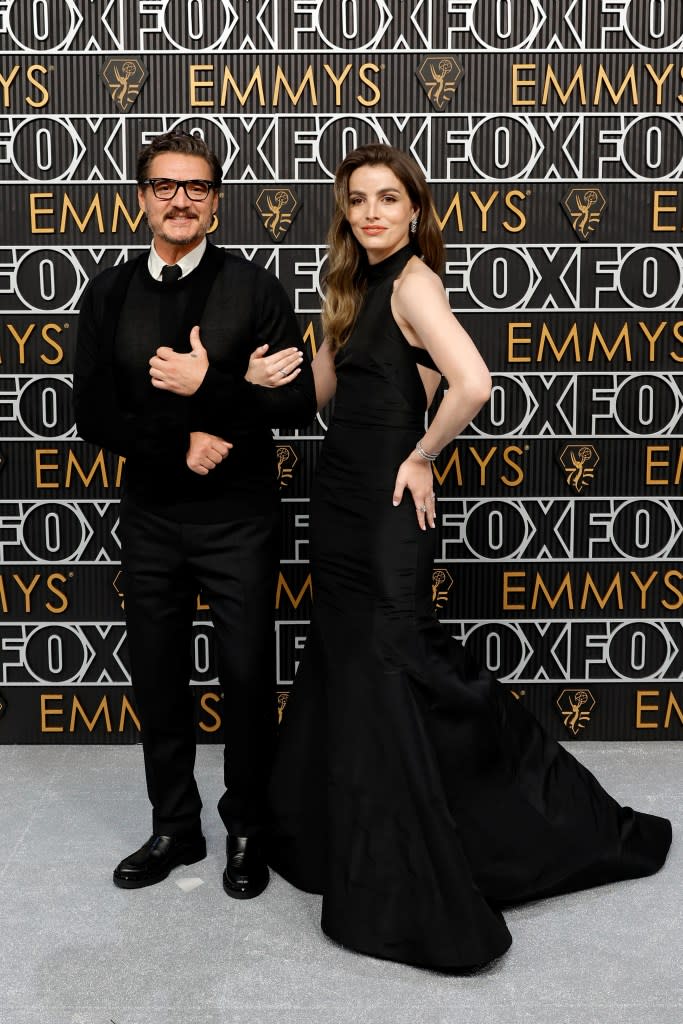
x,y
324,376
421,309
282,367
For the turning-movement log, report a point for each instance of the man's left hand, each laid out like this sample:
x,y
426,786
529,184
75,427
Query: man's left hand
x,y
180,372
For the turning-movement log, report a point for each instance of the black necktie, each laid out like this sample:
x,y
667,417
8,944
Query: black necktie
x,y
170,274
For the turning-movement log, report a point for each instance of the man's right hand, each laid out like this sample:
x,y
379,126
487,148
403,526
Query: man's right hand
x,y
206,451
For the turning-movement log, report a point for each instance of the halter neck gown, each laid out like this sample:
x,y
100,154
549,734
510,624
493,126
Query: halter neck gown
x,y
409,788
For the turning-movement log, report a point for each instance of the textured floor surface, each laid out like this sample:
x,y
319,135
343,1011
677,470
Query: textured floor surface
x,y
76,950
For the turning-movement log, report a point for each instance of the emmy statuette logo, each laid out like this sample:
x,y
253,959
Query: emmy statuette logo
x,y
124,77
440,76
277,208
442,581
576,707
578,462
281,704
286,461
117,584
584,207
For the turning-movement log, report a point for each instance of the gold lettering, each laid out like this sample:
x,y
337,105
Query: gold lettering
x,y
679,467
652,338
230,83
56,609
204,704
72,463
45,711
375,89
509,589
282,585
673,574
41,467
522,83
519,213
651,463
102,709
40,211
21,340
6,82
597,337
484,207
546,337
678,326
121,208
540,588
307,80
3,596
118,478
483,464
641,708
658,208
49,340
672,705
338,82
197,83
455,205
590,587
453,463
512,449
309,338
659,82
127,711
31,76
603,79
513,341
95,209
643,587
550,79
26,590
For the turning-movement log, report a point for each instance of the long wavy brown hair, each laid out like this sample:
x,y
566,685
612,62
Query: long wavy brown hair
x,y
345,282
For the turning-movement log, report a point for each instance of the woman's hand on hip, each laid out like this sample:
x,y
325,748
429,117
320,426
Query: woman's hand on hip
x,y
415,474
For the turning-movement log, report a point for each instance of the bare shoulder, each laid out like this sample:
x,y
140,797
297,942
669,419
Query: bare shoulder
x,y
416,283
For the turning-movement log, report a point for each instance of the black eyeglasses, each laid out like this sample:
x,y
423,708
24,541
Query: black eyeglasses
x,y
166,188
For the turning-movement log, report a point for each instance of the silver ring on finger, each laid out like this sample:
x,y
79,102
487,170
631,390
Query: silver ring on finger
x,y
283,373
421,508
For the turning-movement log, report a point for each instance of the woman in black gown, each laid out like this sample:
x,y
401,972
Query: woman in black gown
x,y
410,789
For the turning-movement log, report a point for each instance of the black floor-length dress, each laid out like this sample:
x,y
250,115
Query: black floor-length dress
x,y
409,789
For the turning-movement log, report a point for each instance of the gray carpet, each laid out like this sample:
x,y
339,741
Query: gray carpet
x,y
76,950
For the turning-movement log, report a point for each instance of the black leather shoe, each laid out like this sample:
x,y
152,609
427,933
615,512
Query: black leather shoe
x,y
157,858
246,873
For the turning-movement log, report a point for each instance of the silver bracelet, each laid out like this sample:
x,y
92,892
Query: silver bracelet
x,y
425,455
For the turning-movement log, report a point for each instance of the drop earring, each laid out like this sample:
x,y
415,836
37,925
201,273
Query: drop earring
x,y
413,224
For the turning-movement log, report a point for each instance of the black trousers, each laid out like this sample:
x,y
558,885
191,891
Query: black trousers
x,y
234,563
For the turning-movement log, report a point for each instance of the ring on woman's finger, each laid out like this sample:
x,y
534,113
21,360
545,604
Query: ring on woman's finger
x,y
283,372
421,508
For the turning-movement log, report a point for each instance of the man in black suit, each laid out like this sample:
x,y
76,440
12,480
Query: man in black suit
x,y
164,342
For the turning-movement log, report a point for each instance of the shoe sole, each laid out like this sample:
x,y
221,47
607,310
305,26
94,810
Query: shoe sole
x,y
125,883
243,894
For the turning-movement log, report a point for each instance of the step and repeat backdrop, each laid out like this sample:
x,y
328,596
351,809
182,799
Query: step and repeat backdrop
x,y
551,133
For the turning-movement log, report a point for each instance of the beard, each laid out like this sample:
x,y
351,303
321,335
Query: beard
x,y
188,229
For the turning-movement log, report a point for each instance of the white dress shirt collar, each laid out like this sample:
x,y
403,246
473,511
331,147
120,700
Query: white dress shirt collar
x,y
187,264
